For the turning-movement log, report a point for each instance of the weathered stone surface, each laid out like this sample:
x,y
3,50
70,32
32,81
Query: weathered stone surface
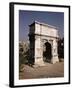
x,y
43,35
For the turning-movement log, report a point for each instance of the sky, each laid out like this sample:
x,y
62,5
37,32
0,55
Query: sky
x,y
27,17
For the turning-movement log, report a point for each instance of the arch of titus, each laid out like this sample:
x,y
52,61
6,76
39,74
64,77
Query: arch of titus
x,y
43,43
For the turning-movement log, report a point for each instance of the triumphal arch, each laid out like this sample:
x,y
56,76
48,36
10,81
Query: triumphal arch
x,y
43,43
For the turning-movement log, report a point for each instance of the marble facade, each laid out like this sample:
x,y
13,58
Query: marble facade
x,y
43,37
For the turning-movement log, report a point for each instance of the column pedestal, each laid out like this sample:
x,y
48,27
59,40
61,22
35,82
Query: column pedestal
x,y
39,62
54,59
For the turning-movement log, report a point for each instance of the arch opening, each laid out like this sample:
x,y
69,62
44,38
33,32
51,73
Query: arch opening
x,y
47,52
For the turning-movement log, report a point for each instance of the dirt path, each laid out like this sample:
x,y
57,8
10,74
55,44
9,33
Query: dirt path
x,y
47,71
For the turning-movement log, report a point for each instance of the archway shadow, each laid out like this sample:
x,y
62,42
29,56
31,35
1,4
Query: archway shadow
x,y
47,53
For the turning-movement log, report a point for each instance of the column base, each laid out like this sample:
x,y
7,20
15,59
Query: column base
x,y
39,62
54,60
